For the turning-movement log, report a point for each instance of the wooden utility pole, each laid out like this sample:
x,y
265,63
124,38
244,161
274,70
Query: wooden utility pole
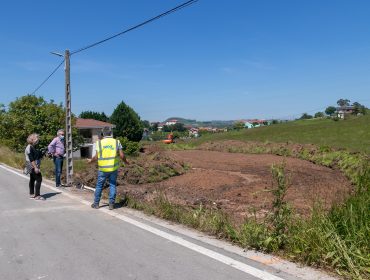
x,y
68,132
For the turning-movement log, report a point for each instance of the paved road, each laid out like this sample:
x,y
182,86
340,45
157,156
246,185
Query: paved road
x,y
61,238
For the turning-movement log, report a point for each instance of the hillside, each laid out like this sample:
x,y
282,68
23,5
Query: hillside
x,y
352,134
195,123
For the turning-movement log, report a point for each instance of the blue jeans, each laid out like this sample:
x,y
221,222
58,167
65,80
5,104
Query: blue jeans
x,y
102,176
58,162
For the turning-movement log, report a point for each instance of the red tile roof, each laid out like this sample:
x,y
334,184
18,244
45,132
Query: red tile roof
x,y
90,123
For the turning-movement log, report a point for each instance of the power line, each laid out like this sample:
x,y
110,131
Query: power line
x,y
52,73
179,7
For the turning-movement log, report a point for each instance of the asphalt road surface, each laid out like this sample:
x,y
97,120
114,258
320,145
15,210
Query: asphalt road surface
x,y
62,238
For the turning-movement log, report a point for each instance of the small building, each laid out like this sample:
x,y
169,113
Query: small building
x,y
248,124
90,130
160,126
194,132
344,110
171,122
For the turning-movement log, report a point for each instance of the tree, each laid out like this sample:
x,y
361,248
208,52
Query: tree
x,y
94,115
166,128
128,123
305,116
238,125
30,114
343,102
319,115
358,108
179,127
146,124
330,110
174,127
154,127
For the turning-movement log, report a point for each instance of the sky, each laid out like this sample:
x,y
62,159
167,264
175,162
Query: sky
x,y
214,60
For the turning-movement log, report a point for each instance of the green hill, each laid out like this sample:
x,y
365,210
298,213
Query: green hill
x,y
195,123
352,134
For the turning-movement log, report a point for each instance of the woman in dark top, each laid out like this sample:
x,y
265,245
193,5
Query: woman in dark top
x,y
33,159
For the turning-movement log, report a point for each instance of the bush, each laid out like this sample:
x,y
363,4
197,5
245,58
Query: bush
x,y
158,135
129,147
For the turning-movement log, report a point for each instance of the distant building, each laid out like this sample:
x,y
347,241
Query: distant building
x,y
160,126
344,110
248,124
194,132
251,123
171,122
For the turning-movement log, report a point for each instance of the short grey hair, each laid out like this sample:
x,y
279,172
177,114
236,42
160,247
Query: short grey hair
x,y
107,131
60,131
32,138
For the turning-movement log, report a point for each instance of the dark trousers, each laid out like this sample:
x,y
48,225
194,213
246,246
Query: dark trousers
x,y
35,178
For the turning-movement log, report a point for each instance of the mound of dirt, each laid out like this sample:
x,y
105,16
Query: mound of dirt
x,y
237,183
150,167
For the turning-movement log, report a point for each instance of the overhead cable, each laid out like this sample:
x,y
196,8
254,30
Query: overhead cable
x,y
52,73
179,7
175,9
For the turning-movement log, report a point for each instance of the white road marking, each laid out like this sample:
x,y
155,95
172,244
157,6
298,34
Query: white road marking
x,y
261,274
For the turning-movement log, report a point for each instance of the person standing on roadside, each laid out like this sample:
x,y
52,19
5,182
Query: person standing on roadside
x,y
108,153
56,149
33,162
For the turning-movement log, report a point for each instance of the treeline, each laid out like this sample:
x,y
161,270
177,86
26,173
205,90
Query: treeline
x,y
330,111
32,114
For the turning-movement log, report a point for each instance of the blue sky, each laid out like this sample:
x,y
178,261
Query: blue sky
x,y
216,59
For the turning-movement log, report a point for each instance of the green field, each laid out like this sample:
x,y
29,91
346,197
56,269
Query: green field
x,y
352,134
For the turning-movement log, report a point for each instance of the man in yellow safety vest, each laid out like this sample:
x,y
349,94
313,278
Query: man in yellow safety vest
x,y
108,153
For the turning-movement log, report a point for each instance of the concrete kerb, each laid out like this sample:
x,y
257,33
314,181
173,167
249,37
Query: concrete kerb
x,y
276,263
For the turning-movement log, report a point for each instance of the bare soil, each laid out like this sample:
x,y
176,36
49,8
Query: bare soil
x,y
233,182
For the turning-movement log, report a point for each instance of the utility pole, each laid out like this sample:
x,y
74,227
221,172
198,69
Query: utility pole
x,y
68,132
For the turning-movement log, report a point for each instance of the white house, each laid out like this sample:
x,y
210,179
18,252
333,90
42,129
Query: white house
x,y
171,122
344,110
90,130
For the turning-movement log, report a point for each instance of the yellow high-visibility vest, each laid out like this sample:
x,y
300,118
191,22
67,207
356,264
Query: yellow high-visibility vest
x,y
108,159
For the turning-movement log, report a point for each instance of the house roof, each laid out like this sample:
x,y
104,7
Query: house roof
x,y
91,123
345,108
253,121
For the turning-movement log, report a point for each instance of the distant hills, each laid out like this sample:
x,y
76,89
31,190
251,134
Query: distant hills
x,y
195,123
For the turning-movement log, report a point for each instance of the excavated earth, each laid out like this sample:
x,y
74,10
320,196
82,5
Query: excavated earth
x,y
236,183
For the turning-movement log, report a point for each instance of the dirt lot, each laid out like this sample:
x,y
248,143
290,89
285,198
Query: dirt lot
x,y
236,183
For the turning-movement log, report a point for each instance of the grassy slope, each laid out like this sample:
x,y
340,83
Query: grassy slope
x,y
352,134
